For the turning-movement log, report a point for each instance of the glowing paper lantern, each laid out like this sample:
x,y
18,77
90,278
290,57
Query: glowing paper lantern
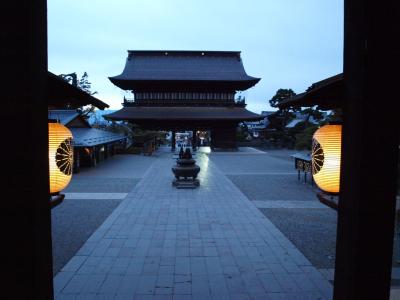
x,y
60,156
326,151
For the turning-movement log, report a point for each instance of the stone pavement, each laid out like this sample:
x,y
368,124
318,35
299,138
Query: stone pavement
x,y
270,182
90,198
207,243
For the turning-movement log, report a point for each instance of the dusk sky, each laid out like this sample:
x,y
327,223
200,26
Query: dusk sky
x,y
288,43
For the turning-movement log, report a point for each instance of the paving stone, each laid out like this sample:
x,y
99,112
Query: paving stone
x,y
253,285
164,291
128,285
74,264
227,261
64,297
235,284
153,297
165,281
111,284
93,284
287,283
166,270
198,266
239,296
84,296
182,265
278,296
61,280
184,288
270,283
146,285
200,285
182,297
76,284
218,284
213,265
123,297
303,282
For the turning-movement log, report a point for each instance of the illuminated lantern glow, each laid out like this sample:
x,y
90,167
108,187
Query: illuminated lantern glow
x,y
326,152
60,157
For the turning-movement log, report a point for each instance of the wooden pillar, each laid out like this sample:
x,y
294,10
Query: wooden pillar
x,y
194,140
94,157
173,141
370,151
26,239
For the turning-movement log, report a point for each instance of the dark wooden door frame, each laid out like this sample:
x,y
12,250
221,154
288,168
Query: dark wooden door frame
x,y
27,263
370,150
369,164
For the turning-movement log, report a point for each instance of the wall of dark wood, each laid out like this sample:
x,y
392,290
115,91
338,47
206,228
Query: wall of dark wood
x,y
25,207
370,150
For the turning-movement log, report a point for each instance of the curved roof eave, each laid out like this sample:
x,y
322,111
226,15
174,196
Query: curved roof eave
x,y
186,113
131,84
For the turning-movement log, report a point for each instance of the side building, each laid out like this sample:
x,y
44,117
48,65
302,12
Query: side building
x,y
257,128
91,145
186,91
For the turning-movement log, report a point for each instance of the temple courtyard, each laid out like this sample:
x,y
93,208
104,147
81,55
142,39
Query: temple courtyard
x,y
252,230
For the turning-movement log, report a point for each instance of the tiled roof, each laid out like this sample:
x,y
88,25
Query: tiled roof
x,y
214,66
267,113
89,137
63,116
327,94
183,113
61,94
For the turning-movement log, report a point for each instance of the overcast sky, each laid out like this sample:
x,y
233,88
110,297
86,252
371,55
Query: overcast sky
x,y
288,43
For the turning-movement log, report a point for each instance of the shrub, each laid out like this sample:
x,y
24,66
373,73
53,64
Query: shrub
x,y
304,138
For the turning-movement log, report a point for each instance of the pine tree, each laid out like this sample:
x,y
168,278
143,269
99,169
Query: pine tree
x,y
85,85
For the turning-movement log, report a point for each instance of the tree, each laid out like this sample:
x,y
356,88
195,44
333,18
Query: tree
x,y
311,112
71,78
280,118
303,139
281,95
242,135
85,85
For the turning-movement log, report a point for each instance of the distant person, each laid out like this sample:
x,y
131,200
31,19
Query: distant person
x,y
181,152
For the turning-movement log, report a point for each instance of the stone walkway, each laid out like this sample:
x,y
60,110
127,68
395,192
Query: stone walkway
x,y
207,243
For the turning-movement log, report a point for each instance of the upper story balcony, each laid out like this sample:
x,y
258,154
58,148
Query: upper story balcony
x,y
184,99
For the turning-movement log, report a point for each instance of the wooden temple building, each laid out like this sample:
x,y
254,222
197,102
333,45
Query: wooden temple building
x,y
186,91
